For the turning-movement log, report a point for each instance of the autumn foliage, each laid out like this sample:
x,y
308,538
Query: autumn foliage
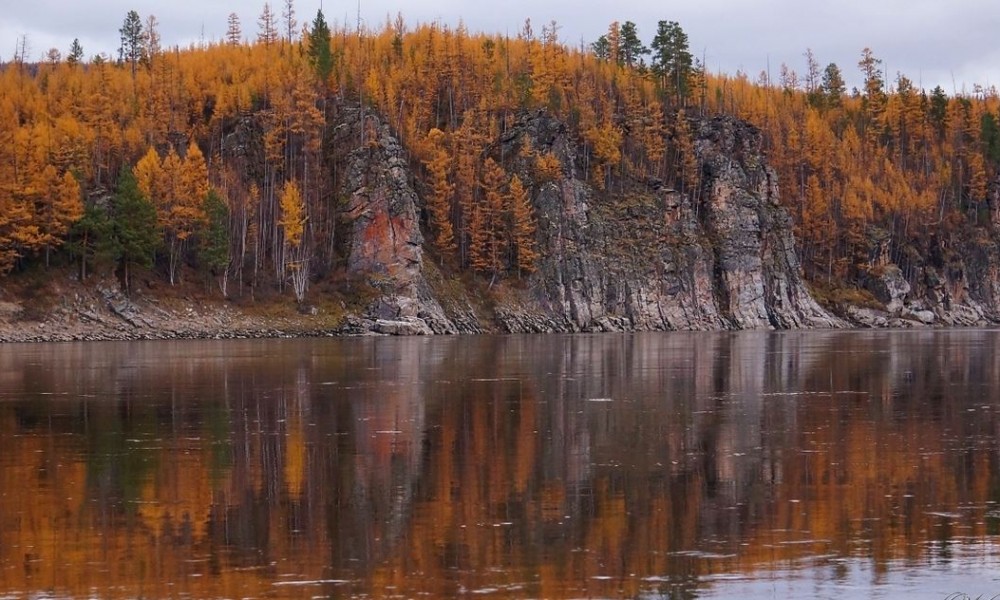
x,y
865,175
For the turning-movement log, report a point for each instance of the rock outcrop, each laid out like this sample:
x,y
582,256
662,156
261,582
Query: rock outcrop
x,y
947,288
653,258
384,240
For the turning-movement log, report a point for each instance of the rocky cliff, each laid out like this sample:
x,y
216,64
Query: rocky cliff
x,y
638,256
384,242
646,258
721,257
947,284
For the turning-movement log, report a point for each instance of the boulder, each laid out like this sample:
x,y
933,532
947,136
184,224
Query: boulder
x,y
407,327
888,286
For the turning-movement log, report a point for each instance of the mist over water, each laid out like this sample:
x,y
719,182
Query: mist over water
x,y
804,464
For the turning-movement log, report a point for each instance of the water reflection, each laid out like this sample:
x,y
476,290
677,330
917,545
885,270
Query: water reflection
x,y
677,465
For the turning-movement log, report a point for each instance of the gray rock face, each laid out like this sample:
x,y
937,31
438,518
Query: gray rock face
x,y
760,282
965,295
384,230
948,299
384,240
889,286
656,259
642,256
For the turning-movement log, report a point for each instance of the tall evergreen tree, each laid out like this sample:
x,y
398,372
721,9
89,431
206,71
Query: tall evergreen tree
x,y
133,226
601,48
133,48
632,50
833,85
939,110
319,53
874,99
91,239
75,56
672,59
214,249
989,137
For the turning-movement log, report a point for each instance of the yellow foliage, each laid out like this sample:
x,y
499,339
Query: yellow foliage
x,y
149,175
439,199
472,88
67,205
519,206
547,167
292,214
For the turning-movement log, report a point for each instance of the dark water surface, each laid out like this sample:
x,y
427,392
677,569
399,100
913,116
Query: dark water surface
x,y
688,465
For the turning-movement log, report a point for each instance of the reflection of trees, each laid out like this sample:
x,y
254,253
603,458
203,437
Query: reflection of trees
x,y
557,466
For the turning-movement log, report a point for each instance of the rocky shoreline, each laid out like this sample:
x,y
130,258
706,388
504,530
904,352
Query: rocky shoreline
x,y
102,312
218,325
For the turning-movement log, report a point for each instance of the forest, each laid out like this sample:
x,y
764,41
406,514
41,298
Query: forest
x,y
143,161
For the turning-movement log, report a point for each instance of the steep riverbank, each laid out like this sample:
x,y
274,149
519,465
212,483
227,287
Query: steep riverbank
x,y
637,255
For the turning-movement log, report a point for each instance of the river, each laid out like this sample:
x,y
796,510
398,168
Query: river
x,y
841,464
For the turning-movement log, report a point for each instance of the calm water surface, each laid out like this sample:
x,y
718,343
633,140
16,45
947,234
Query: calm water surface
x,y
703,465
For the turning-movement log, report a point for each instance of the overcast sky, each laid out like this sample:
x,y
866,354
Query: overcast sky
x,y
953,43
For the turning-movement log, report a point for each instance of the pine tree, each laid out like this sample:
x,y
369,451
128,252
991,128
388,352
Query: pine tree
x,y
92,240
938,111
214,249
75,56
671,59
133,46
632,49
601,48
874,99
133,227
833,85
320,56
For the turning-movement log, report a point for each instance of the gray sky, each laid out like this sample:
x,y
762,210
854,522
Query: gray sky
x,y
952,43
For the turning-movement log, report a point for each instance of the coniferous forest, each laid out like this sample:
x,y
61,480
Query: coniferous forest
x,y
220,162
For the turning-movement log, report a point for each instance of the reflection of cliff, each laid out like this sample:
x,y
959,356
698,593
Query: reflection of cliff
x,y
544,466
